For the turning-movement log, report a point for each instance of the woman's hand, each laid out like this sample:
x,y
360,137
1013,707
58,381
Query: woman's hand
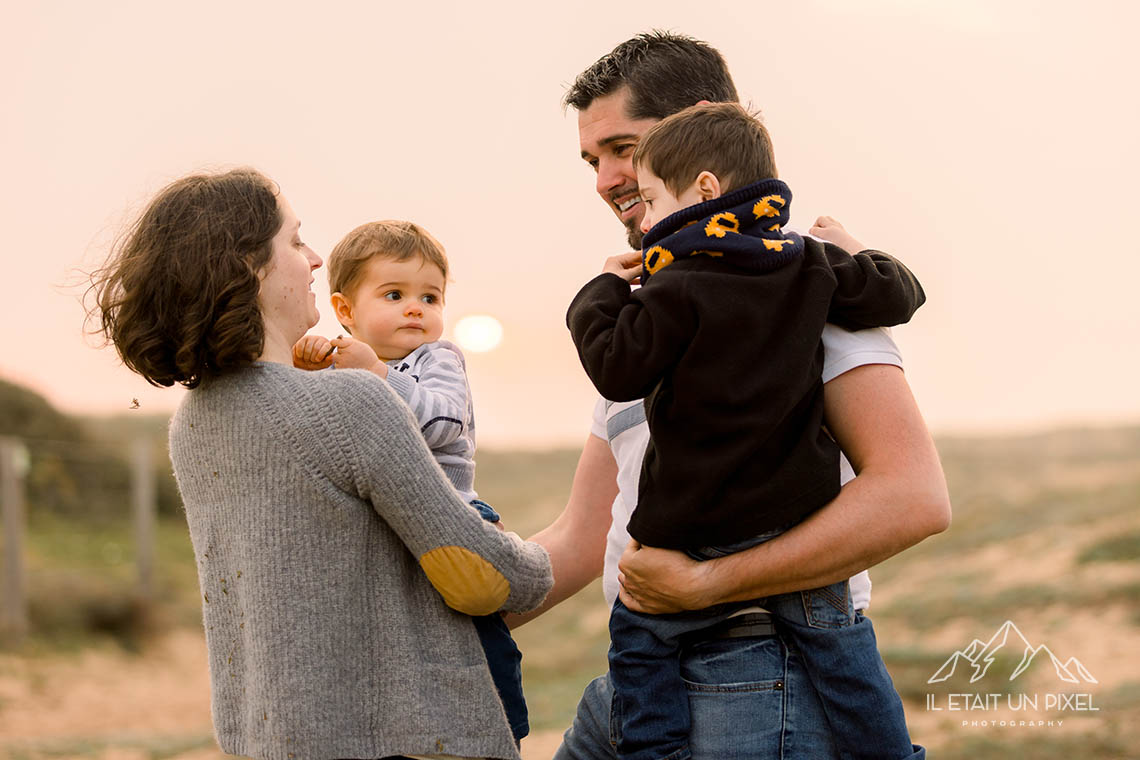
x,y
829,229
626,266
657,581
312,352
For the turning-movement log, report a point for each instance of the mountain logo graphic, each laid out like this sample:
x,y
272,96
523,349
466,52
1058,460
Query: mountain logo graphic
x,y
1009,641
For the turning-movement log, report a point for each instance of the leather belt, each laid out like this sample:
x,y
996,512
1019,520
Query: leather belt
x,y
741,626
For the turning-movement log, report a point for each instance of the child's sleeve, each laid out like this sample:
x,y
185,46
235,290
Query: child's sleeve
x,y
475,567
437,394
628,339
872,290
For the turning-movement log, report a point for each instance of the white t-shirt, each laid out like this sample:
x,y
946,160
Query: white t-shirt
x,y
623,426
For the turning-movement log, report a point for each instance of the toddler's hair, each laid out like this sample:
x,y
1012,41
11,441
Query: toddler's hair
x,y
722,138
390,239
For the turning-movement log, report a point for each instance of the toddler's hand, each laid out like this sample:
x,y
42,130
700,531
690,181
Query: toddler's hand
x,y
626,266
312,352
832,231
356,354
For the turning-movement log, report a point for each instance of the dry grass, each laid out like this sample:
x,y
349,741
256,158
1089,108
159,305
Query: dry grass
x,y
1046,532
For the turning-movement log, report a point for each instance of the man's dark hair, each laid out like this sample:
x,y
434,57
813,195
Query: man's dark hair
x,y
665,72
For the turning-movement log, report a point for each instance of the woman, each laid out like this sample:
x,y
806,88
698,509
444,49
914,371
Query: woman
x,y
337,564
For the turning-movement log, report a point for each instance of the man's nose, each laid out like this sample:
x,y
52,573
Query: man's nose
x,y
609,177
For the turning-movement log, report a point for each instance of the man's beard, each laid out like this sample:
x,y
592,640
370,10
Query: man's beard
x,y
633,234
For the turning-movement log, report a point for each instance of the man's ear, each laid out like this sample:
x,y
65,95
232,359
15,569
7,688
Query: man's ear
x,y
343,309
708,185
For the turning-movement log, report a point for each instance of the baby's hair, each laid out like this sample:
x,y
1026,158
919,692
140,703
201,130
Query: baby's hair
x,y
722,138
390,239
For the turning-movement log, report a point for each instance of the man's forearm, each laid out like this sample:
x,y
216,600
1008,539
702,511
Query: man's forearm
x,y
576,540
874,517
898,499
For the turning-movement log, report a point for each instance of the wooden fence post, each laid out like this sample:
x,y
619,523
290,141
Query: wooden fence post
x,y
144,502
14,605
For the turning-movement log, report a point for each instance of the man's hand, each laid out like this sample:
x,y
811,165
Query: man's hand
x,y
657,581
826,228
312,352
356,354
626,266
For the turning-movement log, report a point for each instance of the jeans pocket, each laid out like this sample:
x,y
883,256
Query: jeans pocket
x,y
828,606
615,720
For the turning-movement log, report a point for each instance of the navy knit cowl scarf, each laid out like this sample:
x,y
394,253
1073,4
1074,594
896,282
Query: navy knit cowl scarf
x,y
745,227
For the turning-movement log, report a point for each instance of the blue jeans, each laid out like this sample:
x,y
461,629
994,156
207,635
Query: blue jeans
x,y
862,709
503,655
749,698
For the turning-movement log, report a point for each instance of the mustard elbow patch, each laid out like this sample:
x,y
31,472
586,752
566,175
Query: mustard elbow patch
x,y
467,582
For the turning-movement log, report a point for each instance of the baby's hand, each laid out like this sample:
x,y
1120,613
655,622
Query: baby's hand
x,y
626,266
312,352
833,232
356,354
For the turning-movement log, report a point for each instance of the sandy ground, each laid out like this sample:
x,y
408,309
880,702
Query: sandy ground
x,y
111,705
1104,638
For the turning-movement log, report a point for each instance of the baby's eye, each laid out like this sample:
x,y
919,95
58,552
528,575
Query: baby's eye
x,y
392,295
429,298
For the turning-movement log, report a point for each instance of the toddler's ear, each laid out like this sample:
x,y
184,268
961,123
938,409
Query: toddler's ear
x,y
343,308
708,184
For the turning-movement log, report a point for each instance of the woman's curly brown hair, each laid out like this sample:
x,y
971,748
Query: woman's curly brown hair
x,y
178,294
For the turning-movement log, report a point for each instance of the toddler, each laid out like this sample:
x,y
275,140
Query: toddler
x,y
388,281
723,342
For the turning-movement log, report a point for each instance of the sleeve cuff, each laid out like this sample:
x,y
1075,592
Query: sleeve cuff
x,y
401,383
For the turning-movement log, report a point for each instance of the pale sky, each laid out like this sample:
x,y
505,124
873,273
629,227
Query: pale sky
x,y
990,145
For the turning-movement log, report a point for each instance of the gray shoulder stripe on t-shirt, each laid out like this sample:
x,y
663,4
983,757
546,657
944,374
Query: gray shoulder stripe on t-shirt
x,y
624,420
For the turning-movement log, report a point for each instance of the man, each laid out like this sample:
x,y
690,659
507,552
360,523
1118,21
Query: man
x,y
747,684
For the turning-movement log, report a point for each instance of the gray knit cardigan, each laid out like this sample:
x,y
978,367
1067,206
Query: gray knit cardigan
x,y
327,540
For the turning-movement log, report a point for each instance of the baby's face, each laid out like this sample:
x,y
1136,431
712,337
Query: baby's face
x,y
658,201
397,306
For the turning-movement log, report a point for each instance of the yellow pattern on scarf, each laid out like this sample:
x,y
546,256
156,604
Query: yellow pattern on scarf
x,y
721,224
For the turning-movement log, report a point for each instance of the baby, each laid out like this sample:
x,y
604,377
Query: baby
x,y
388,281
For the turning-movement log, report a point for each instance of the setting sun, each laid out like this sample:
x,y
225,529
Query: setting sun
x,y
478,333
